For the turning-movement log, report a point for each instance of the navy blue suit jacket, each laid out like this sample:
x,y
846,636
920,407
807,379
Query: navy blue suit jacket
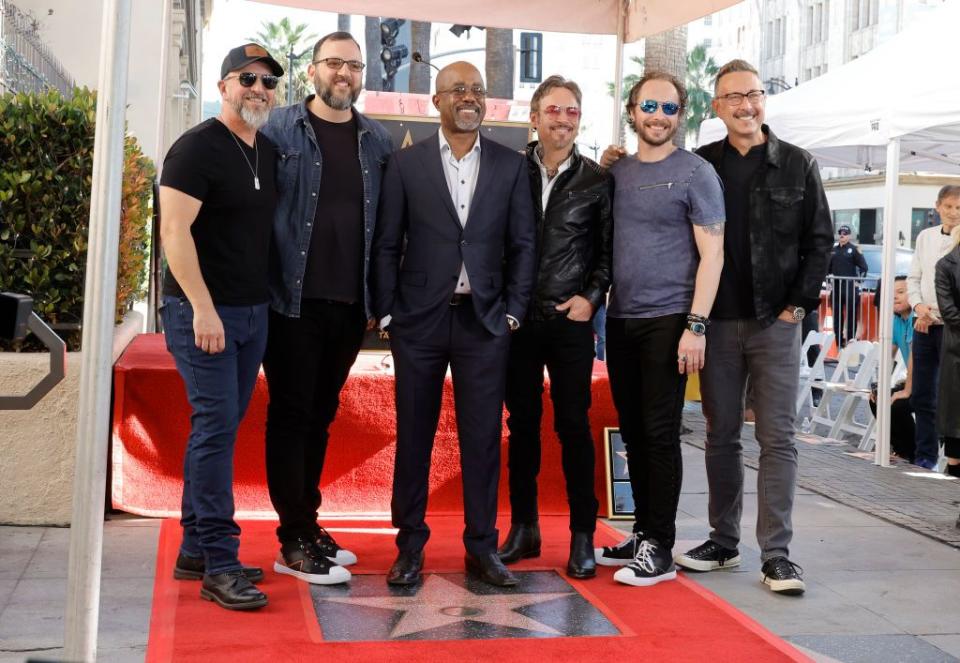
x,y
419,244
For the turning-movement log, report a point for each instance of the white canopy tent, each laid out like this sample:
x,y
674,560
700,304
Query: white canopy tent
x,y
628,19
897,108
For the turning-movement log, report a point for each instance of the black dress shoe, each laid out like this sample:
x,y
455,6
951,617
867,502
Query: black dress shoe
x,y
489,568
232,591
582,563
406,570
522,542
192,568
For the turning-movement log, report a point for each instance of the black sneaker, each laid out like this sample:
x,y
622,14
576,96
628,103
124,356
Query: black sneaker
x,y
332,551
708,556
620,554
652,564
783,576
303,559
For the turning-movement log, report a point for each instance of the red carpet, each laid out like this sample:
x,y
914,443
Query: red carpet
x,y
673,621
151,424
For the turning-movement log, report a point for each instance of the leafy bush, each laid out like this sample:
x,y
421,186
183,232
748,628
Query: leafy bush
x,y
46,167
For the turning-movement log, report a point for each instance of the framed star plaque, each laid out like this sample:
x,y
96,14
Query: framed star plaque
x,y
619,495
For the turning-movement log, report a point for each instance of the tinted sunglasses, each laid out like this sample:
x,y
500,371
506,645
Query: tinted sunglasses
x,y
248,78
556,111
649,106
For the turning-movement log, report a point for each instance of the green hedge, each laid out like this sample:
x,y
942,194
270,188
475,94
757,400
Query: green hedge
x,y
46,166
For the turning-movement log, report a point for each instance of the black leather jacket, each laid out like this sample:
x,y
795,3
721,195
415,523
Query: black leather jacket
x,y
791,233
574,236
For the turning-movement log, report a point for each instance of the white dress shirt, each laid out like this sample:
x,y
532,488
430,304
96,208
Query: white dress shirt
x,y
931,245
461,179
546,182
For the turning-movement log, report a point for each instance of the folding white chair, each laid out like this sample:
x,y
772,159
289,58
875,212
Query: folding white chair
x,y
855,369
809,373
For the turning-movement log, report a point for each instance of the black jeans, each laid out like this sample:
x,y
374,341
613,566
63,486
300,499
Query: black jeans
x,y
648,394
307,363
565,347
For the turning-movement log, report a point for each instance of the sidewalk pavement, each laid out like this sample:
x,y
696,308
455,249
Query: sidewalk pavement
x,y
880,558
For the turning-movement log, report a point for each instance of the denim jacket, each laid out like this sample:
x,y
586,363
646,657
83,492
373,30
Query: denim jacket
x,y
299,167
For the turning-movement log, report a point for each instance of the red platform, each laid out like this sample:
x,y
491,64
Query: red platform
x,y
151,424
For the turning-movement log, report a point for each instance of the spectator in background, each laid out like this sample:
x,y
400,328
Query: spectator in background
x,y
847,262
932,244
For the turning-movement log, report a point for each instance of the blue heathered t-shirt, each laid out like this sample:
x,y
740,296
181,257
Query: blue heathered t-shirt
x,y
655,258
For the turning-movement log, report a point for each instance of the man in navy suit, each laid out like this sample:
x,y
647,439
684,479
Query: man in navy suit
x,y
452,272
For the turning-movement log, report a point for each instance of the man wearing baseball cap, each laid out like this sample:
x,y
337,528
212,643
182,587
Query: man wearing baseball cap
x,y
218,196
848,263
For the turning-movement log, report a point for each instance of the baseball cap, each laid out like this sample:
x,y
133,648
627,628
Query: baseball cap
x,y
241,56
843,230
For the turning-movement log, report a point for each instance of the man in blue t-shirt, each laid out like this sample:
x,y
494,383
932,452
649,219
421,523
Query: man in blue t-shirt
x,y
667,257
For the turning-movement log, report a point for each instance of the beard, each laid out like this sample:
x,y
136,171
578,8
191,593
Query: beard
x,y
465,124
255,118
329,96
657,142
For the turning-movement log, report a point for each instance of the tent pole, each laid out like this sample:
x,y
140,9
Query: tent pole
x,y
89,485
618,70
885,328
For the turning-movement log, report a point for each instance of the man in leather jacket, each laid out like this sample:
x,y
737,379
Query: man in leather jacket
x,y
572,201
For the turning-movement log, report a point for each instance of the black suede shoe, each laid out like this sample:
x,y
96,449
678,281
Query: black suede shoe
x,y
522,542
582,563
192,568
406,569
232,591
490,569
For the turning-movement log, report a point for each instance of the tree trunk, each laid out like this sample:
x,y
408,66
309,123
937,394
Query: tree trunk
x,y
371,35
667,52
499,64
343,22
420,41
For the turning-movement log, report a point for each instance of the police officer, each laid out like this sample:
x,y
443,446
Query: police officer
x,y
846,262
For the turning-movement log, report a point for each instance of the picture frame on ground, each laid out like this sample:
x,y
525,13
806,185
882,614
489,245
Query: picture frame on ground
x,y
619,494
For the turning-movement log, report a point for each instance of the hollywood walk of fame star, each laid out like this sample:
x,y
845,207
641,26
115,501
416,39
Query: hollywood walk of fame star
x,y
441,602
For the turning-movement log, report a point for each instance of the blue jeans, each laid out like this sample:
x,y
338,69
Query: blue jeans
x,y
600,329
218,389
926,376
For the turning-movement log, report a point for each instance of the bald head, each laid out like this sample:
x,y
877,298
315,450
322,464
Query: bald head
x,y
460,98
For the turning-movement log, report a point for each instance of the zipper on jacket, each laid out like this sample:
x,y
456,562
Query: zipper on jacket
x,y
669,185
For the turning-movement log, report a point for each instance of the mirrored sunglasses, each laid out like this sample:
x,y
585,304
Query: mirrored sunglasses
x,y
650,106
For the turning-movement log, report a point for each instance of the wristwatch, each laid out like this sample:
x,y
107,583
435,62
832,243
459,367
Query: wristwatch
x,y
798,312
697,324
512,323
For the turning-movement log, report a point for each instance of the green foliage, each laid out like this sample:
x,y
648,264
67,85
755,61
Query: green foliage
x,y
46,169
279,39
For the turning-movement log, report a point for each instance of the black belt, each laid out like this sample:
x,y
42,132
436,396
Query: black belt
x,y
460,298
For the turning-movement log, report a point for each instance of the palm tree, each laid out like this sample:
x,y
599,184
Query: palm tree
x,y
281,39
420,41
343,22
499,63
371,37
701,70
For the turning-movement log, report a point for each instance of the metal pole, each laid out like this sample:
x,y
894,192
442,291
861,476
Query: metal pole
x,y
292,57
162,101
86,533
885,326
618,71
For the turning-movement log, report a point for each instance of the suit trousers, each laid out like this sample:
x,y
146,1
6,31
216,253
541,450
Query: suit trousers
x,y
770,357
478,364
565,347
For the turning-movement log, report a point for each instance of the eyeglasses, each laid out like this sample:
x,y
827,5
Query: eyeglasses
x,y
649,106
736,98
248,78
556,111
337,63
461,91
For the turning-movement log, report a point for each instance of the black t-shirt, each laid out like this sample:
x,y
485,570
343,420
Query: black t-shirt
x,y
335,260
735,293
232,229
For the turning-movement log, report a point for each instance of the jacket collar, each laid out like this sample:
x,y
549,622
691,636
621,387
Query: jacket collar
x,y
574,156
714,151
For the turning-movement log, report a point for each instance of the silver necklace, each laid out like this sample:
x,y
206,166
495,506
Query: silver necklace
x,y
255,171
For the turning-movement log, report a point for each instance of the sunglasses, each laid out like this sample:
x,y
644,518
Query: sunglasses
x,y
337,64
248,78
649,106
556,111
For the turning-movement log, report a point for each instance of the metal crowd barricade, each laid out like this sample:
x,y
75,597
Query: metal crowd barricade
x,y
848,308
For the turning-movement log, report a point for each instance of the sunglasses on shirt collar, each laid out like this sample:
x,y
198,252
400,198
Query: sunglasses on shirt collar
x,y
248,78
649,106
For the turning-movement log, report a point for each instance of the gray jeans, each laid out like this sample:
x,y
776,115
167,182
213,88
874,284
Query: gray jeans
x,y
771,358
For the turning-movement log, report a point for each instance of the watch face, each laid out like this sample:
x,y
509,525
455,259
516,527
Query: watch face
x,y
799,314
698,328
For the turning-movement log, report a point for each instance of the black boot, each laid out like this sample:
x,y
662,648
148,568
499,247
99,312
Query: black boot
x,y
232,591
582,563
522,542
